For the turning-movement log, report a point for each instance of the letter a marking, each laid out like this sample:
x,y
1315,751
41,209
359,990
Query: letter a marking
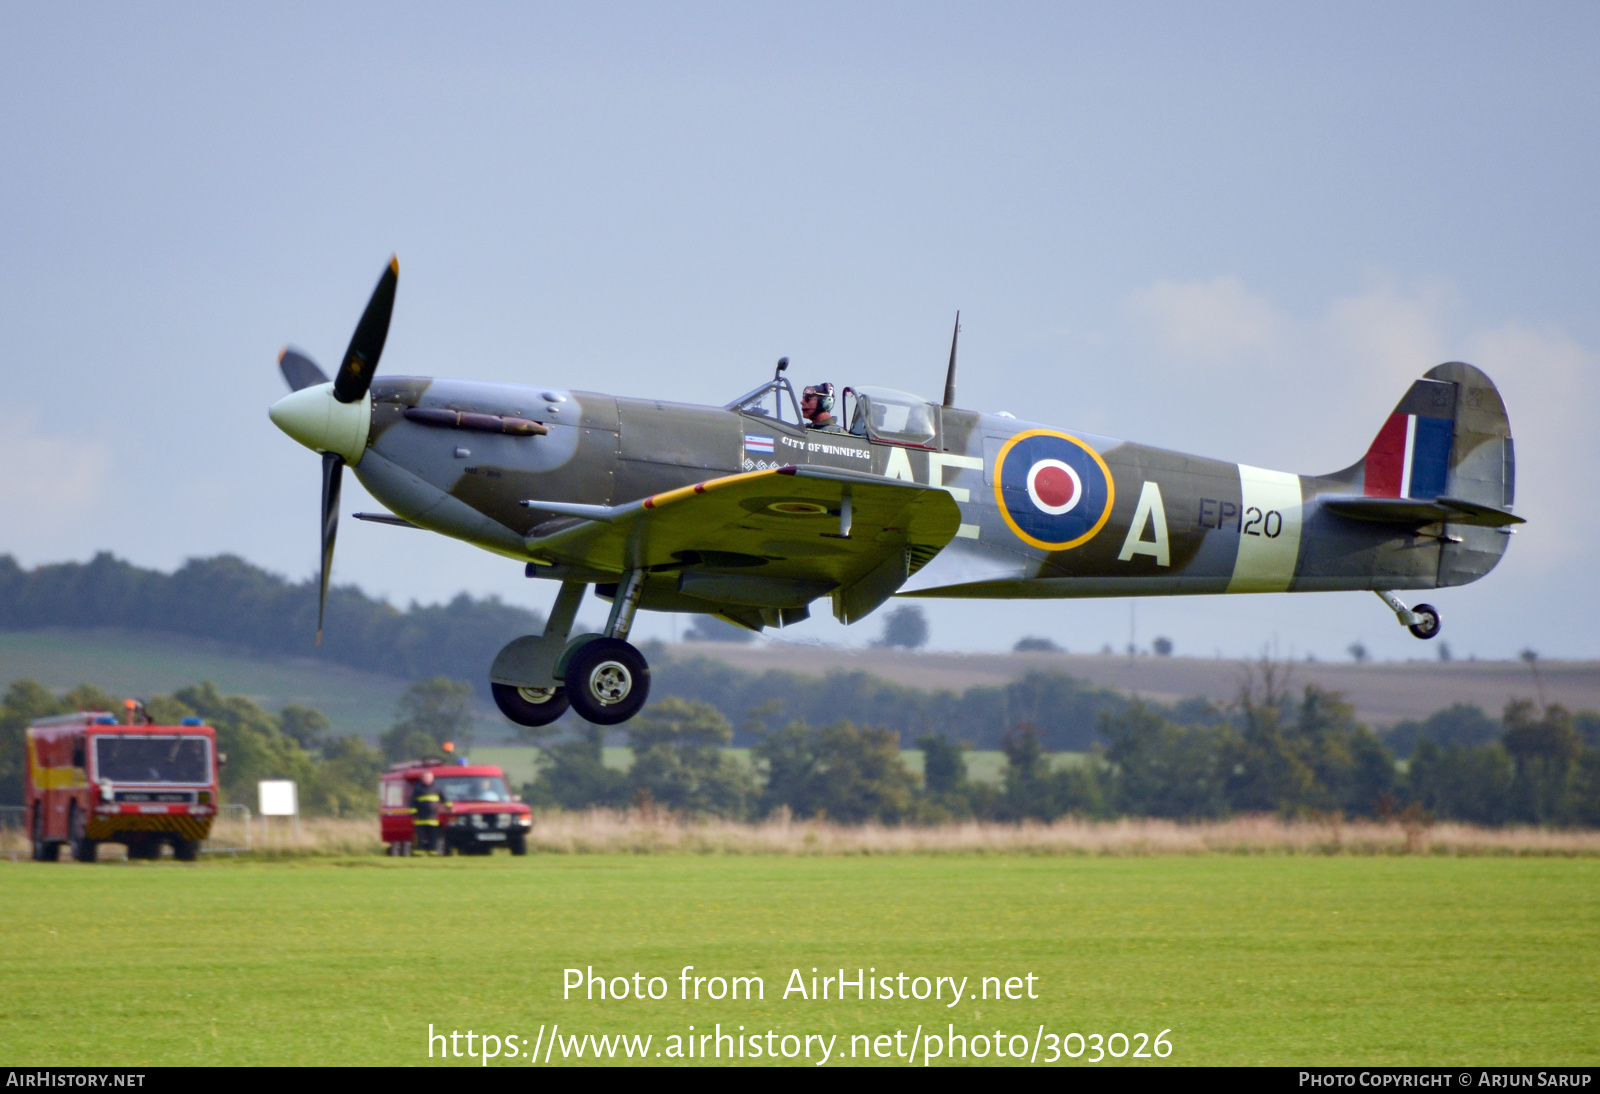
x,y
1151,511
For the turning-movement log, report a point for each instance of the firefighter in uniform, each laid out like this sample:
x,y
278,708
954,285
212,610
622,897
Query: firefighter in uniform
x,y
425,812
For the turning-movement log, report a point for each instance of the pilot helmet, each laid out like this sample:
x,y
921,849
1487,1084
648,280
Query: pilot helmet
x,y
824,394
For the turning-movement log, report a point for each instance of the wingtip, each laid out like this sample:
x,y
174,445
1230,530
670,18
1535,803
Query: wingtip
x,y
319,636
281,354
394,265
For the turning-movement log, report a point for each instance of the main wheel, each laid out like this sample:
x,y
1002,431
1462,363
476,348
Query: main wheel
x,y
1429,627
83,848
530,706
607,681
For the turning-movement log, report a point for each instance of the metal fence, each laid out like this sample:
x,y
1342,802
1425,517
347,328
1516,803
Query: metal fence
x,y
13,827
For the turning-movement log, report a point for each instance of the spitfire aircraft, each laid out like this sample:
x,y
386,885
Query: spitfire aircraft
x,y
754,510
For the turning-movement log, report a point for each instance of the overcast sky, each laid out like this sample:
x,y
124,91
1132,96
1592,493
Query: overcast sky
x,y
1236,230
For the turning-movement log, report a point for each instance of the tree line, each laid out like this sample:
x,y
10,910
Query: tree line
x,y
1273,751
1294,754
1065,710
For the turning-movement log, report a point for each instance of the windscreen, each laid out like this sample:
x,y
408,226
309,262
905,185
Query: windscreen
x,y
473,788
129,759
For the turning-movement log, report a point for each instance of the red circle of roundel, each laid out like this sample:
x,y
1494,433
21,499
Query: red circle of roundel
x,y
1054,486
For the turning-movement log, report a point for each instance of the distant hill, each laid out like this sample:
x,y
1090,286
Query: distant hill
x,y
228,600
1383,692
146,664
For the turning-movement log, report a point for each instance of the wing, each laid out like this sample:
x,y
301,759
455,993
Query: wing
x,y
770,540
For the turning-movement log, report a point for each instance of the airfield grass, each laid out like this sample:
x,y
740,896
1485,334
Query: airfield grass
x,y
1246,959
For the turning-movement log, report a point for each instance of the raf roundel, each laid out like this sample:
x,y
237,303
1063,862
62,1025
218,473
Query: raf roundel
x,y
1054,491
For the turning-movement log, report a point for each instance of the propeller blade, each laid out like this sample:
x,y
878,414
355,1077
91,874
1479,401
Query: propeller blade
x,y
332,474
299,370
366,345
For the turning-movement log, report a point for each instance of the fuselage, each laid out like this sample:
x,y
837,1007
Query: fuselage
x,y
1045,512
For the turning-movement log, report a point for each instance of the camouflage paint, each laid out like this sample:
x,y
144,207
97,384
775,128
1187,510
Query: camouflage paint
x,y
1171,523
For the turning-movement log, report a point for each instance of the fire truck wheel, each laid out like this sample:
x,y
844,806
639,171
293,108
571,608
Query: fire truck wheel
x,y
530,706
143,847
83,848
44,850
185,850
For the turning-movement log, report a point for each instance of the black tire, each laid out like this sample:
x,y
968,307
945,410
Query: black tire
x,y
83,848
608,681
530,706
144,847
1430,625
44,850
185,850
518,845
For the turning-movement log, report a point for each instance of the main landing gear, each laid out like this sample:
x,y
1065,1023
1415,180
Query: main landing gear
x,y
600,677
1422,621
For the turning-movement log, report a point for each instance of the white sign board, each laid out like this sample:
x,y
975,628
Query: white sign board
x,y
278,798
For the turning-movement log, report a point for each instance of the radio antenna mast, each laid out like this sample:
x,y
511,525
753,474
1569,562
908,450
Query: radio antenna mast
x,y
950,376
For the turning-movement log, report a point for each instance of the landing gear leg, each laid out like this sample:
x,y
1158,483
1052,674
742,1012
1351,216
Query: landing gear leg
x,y
522,679
1422,621
608,680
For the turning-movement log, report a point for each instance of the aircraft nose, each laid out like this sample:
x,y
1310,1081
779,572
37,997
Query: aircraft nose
x,y
322,423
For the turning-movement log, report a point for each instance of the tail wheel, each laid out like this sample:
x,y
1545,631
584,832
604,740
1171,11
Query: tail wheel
x,y
608,681
530,706
1429,627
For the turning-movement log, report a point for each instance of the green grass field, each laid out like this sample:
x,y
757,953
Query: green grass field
x,y
1245,959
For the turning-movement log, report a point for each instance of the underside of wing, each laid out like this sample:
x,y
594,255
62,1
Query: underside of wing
x,y
758,547
1420,511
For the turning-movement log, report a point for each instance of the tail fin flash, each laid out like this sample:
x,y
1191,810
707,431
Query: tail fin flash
x,y
1448,437
1410,457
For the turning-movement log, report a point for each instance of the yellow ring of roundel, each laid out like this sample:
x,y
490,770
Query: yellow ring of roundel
x,y
1000,500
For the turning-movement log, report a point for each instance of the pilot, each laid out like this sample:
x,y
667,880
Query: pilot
x,y
816,404
425,812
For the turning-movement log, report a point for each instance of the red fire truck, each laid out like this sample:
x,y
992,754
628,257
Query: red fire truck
x,y
91,779
477,810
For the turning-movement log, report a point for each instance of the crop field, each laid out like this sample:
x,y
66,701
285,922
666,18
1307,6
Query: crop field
x,y
1273,958
147,664
519,761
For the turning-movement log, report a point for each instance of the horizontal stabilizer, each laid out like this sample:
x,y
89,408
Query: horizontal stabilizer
x,y
1417,511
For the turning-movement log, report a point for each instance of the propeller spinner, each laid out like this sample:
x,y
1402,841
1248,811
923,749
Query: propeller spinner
x,y
333,417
